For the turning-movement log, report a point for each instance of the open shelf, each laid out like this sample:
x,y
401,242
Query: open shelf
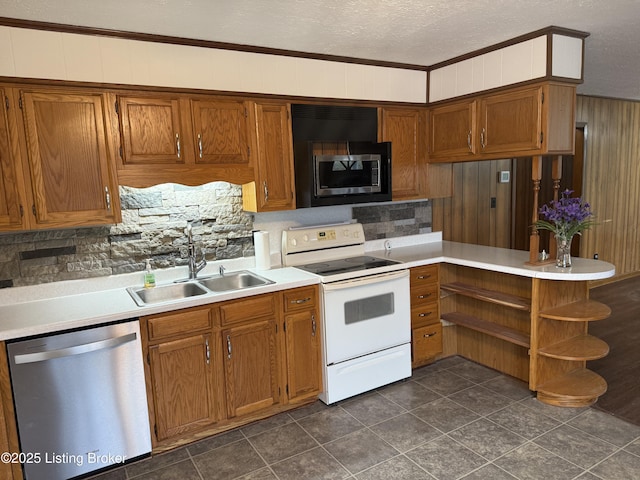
x,y
579,388
499,331
582,311
581,347
491,296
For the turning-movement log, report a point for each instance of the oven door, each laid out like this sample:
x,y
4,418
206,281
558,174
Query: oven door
x,y
366,315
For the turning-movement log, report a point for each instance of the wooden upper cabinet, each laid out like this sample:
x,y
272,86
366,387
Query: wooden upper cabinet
x,y
187,139
152,130
11,207
519,122
221,131
511,122
70,162
405,128
273,188
452,130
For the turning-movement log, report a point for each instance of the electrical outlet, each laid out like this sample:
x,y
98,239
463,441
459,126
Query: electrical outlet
x,y
493,202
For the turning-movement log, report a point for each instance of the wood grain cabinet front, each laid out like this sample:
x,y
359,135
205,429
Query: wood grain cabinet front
x,y
522,121
71,164
426,330
188,139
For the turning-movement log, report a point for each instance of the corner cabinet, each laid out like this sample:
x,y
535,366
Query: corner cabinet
x,y
188,139
524,121
532,329
68,158
273,186
412,177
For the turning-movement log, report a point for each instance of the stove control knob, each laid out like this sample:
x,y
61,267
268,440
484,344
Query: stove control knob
x,y
294,242
356,234
346,232
305,238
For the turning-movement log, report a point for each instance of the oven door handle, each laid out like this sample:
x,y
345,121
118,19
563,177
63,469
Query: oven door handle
x,y
368,280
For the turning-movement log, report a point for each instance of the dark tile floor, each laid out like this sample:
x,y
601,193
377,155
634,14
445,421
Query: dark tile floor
x,y
453,419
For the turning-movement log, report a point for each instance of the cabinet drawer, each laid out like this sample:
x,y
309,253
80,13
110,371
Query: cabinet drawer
x,y
427,342
425,314
248,308
425,275
186,321
300,299
424,294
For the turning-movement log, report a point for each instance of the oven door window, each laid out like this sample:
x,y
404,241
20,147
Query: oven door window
x,y
367,308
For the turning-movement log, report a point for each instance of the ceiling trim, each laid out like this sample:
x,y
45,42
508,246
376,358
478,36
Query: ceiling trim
x,y
145,37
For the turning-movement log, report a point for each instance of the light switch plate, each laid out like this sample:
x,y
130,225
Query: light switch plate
x,y
504,176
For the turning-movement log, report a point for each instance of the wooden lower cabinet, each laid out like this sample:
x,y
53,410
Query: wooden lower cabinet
x,y
251,367
212,368
426,329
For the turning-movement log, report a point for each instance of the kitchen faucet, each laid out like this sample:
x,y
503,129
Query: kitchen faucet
x,y
194,266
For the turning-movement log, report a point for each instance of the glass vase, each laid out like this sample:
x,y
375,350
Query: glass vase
x,y
563,252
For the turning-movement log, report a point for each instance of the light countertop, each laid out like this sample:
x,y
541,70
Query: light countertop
x,y
47,308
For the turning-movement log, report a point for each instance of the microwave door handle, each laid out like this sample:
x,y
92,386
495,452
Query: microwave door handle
x,y
371,279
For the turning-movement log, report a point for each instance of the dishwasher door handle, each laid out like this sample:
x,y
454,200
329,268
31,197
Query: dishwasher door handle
x,y
74,350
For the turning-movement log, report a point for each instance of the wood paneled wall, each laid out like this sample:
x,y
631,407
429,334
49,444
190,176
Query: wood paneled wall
x,y
612,180
468,216
611,183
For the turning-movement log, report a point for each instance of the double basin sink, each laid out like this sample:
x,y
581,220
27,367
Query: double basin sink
x,y
240,280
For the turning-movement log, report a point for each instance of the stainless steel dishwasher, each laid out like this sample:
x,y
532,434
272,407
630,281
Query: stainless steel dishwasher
x,y
80,400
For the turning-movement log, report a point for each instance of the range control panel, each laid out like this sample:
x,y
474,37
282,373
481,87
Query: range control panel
x,y
320,238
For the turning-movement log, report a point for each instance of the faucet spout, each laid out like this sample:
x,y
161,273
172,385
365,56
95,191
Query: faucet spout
x,y
194,265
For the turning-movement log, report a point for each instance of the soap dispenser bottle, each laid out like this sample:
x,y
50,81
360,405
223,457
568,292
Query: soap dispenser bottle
x,y
149,276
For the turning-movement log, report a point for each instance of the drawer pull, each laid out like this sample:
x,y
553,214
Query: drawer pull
x,y
427,335
425,314
301,301
426,295
423,277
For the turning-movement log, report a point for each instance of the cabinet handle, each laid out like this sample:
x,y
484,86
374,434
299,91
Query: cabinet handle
x,y
425,314
301,300
482,138
424,296
469,141
207,351
107,197
200,145
228,346
423,277
266,191
313,324
178,144
427,335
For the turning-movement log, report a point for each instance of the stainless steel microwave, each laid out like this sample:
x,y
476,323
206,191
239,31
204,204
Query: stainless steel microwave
x,y
362,176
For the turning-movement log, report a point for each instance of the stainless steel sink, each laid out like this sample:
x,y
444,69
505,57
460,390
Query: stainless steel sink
x,y
165,293
234,281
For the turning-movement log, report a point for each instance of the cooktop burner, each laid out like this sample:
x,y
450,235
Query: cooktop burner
x,y
343,265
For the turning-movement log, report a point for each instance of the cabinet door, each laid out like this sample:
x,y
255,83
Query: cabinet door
x,y
452,131
511,122
302,332
72,169
183,380
151,130
251,376
274,185
10,203
406,130
220,129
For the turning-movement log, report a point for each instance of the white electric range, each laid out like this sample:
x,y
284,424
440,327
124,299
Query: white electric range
x,y
366,315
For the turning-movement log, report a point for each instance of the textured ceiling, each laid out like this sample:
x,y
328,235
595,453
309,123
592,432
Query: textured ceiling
x,y
421,32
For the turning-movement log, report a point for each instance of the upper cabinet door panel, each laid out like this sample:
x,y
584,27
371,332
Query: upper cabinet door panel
x,y
511,122
10,217
453,130
151,130
71,167
220,129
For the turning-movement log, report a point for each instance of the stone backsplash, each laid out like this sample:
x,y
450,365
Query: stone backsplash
x,y
153,224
